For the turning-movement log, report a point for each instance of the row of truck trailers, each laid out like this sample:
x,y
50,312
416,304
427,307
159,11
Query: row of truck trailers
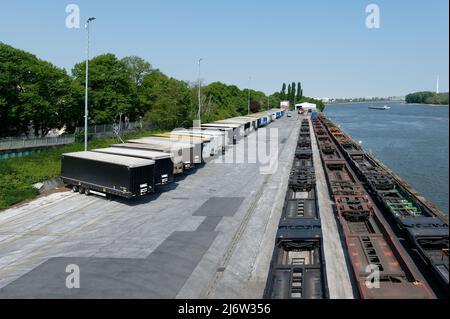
x,y
138,167
385,227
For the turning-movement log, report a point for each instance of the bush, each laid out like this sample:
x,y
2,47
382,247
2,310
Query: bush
x,y
79,136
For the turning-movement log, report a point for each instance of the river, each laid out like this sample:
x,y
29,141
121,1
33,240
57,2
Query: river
x,y
412,140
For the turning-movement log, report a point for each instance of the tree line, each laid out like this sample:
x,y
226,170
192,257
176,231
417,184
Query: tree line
x,y
293,93
427,97
37,97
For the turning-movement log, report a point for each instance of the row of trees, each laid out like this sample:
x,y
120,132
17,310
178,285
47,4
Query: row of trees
x,y
427,98
294,93
36,96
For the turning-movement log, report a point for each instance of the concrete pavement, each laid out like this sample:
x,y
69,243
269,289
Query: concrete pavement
x,y
196,238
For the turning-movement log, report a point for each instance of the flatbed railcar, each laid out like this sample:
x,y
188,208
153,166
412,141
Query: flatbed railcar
x,y
105,174
297,269
427,232
370,242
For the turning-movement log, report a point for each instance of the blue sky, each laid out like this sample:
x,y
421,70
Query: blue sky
x,y
324,44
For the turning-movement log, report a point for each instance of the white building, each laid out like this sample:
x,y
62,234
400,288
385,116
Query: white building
x,y
305,106
284,105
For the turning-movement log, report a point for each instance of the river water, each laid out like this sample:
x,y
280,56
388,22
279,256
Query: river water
x,y
412,140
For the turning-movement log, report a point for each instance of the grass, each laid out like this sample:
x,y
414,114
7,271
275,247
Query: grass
x,y
17,175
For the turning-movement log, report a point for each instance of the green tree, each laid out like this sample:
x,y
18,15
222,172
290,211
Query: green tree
x,y
299,92
288,96
32,93
136,68
283,92
292,95
111,91
167,101
427,97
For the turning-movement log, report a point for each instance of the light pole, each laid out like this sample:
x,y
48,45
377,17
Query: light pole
x,y
86,90
199,93
248,100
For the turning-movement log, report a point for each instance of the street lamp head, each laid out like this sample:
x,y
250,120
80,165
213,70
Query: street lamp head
x,y
91,19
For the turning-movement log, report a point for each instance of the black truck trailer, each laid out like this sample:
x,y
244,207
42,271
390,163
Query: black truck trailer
x,y
163,161
105,174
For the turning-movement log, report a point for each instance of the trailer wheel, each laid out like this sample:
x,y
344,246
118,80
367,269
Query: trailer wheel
x,y
81,190
75,189
87,192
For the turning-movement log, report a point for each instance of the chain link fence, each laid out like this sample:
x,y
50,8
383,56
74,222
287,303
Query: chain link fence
x,y
26,142
112,129
103,130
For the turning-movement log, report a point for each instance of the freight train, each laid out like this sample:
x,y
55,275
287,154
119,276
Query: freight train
x,y
297,269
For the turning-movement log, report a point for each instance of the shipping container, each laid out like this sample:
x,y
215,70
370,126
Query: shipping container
x,y
250,124
215,140
244,129
175,151
207,148
247,119
227,132
262,119
236,128
163,161
103,174
194,147
220,135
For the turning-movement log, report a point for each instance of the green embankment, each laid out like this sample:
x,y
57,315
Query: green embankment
x,y
17,175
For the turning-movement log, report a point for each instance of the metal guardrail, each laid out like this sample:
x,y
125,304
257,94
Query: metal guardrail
x,y
18,143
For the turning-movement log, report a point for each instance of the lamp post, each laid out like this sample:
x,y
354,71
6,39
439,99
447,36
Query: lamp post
x,y
86,90
199,93
248,99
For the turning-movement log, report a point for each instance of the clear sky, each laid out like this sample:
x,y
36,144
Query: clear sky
x,y
324,44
